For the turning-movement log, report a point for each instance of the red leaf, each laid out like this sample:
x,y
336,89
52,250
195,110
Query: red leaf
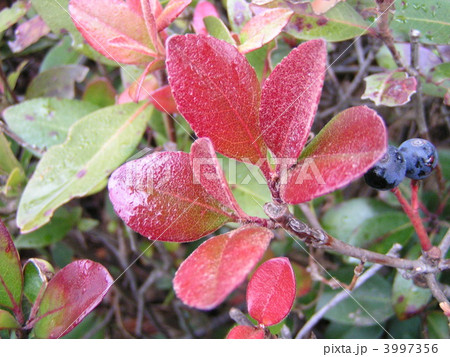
x,y
271,291
163,100
157,197
218,93
11,278
290,97
303,280
102,20
263,28
72,294
202,10
343,150
135,5
170,13
219,265
246,332
208,172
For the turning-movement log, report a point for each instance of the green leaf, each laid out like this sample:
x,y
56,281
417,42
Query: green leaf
x,y
343,220
96,145
60,55
247,185
340,331
7,321
11,15
407,298
444,158
437,324
44,122
429,17
410,328
371,298
11,279
217,29
8,161
57,82
100,92
14,182
36,272
61,223
340,23
257,58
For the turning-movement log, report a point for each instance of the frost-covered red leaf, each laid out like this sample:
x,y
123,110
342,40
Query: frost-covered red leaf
x,y
218,93
342,152
114,28
72,294
219,265
263,28
271,291
246,332
203,9
290,97
11,278
170,13
391,89
157,197
208,172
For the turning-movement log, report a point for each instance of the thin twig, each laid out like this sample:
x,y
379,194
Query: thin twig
x,y
438,294
344,294
240,318
444,246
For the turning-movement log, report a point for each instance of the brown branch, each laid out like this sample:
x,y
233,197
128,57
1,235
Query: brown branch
x,y
317,238
438,294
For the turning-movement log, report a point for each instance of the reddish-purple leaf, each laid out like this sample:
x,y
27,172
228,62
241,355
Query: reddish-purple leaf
x,y
158,198
219,265
303,280
290,97
27,33
245,333
218,93
72,294
11,278
342,152
208,172
389,88
202,10
170,13
271,291
263,28
101,21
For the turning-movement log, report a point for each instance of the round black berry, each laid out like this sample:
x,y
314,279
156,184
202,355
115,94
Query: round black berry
x,y
421,158
388,172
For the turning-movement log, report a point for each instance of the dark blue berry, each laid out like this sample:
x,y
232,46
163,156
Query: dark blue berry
x,y
421,158
388,172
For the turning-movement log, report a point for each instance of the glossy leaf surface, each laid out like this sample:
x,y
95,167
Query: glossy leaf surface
x,y
96,145
245,332
208,172
219,265
72,293
340,23
11,279
290,97
271,291
105,20
44,122
219,97
391,89
343,151
157,197
263,28
7,321
36,272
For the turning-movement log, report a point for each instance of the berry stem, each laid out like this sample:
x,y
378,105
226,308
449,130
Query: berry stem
x,y
413,214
